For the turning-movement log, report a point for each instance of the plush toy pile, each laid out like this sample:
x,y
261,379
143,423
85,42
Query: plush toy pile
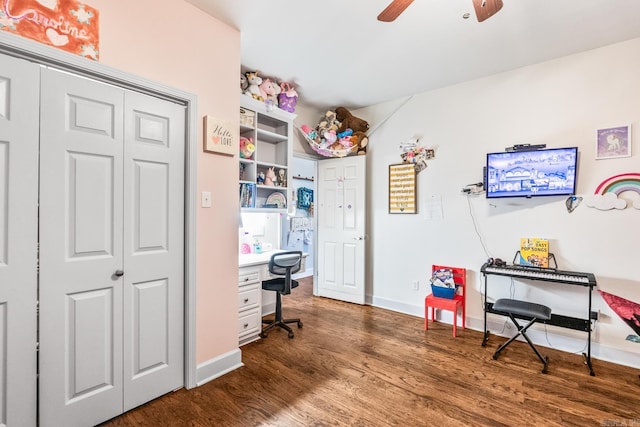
x,y
269,91
338,134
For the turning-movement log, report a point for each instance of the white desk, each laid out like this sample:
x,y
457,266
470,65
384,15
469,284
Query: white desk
x,y
253,302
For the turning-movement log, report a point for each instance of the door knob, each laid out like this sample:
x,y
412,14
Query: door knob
x,y
119,273
359,238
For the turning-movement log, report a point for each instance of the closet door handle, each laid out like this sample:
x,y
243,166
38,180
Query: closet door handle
x,y
119,273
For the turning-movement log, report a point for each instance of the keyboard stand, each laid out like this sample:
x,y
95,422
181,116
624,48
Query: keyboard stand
x,y
578,324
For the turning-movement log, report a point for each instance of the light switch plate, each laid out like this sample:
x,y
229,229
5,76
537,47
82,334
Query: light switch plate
x,y
206,199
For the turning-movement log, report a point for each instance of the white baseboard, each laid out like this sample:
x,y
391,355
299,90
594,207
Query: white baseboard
x,y
562,339
216,367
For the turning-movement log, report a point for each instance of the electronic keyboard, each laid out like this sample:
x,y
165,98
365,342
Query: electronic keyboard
x,y
536,273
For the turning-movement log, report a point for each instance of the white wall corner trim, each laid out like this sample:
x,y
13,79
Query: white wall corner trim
x,y
218,366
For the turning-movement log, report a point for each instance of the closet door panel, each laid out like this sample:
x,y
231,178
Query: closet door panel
x,y
91,207
19,99
154,248
89,320
151,206
81,191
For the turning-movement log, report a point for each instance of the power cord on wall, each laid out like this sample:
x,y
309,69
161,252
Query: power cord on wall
x,y
581,351
476,228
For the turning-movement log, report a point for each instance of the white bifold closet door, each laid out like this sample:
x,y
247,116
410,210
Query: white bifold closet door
x,y
111,249
19,98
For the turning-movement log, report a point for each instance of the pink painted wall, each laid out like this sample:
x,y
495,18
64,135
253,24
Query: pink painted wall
x,y
176,44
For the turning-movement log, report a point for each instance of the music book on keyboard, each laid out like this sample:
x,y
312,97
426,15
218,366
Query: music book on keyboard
x,y
534,252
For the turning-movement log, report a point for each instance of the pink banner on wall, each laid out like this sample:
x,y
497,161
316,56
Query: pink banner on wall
x,y
66,24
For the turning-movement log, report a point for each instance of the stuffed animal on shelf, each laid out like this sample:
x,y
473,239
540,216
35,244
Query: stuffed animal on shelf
x,y
254,81
288,97
269,92
247,147
260,178
270,177
244,84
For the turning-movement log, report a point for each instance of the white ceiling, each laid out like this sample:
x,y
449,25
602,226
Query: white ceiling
x,y
337,53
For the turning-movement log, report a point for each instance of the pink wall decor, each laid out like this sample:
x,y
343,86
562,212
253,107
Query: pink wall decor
x,y
66,24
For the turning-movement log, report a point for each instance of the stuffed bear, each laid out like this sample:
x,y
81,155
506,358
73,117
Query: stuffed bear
x,y
362,140
357,125
349,121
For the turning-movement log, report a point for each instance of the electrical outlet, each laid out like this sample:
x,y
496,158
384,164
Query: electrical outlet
x,y
416,285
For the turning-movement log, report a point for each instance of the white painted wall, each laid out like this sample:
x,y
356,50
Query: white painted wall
x,y
559,103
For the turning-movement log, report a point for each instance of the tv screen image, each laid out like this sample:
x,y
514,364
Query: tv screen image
x,y
550,172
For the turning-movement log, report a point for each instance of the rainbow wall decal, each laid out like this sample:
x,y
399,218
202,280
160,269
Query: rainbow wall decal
x,y
619,183
606,195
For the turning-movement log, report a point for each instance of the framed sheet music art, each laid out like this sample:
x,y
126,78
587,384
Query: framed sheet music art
x,y
402,189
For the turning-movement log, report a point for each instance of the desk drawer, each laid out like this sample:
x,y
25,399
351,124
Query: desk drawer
x,y
248,277
249,298
249,322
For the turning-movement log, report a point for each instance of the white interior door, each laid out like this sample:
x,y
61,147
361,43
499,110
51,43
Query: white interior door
x,y
154,248
111,224
19,99
81,223
340,208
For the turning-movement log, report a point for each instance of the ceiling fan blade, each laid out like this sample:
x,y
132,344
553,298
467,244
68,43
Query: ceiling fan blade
x,y
485,9
394,10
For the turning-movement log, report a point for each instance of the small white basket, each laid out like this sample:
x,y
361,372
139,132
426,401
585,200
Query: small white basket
x,y
247,117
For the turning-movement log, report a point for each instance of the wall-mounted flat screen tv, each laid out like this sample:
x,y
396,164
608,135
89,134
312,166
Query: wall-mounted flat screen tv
x,y
550,172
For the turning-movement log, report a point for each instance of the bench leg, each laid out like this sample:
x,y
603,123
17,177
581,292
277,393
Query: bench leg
x,y
522,331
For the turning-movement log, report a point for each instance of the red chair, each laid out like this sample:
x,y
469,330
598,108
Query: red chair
x,y
458,301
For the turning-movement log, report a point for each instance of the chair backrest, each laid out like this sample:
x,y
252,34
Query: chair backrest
x,y
285,264
459,276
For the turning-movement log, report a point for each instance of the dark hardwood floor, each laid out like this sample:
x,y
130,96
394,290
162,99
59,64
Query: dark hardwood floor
x,y
354,365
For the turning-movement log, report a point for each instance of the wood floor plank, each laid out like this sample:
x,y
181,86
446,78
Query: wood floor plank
x,y
354,365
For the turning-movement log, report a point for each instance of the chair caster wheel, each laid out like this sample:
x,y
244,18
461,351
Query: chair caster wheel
x,y
299,324
495,357
262,335
290,334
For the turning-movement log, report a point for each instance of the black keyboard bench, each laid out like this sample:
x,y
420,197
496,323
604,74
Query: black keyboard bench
x,y
530,310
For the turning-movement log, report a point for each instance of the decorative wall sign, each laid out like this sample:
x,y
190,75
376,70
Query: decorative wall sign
x,y
66,24
305,198
613,142
402,189
607,193
220,136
